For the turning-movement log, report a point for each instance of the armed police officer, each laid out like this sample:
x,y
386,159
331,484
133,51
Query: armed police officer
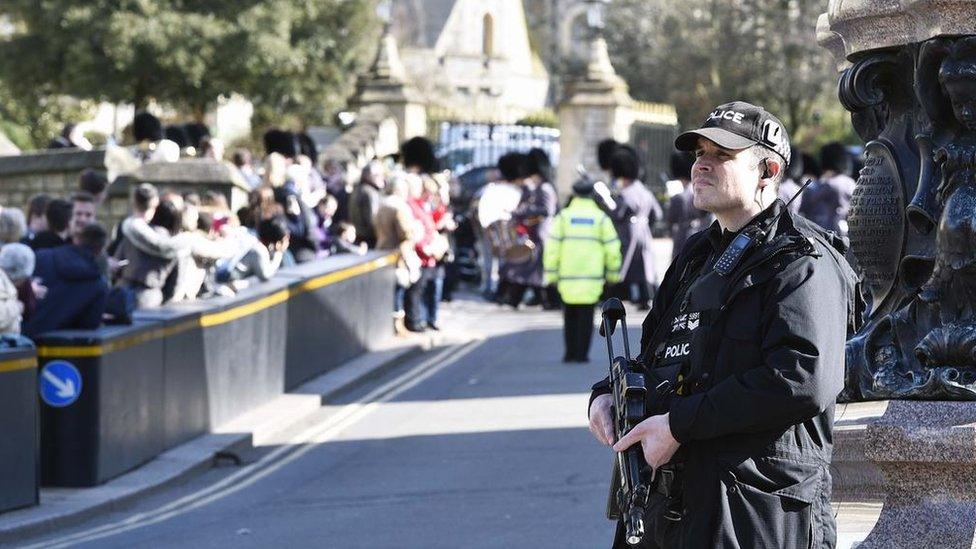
x,y
745,342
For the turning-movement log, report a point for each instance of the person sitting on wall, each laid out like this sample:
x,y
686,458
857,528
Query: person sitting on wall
x,y
76,289
72,137
58,215
151,142
211,147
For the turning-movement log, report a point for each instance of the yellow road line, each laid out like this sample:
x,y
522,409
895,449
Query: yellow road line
x,y
18,364
215,319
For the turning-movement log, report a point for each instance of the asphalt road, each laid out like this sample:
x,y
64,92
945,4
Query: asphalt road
x,y
480,445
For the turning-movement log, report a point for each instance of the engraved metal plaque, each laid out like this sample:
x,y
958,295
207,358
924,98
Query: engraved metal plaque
x,y
877,222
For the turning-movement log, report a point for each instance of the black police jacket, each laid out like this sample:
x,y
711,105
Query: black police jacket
x,y
763,371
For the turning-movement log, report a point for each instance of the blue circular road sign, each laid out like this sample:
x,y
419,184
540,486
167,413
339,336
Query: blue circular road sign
x,y
60,383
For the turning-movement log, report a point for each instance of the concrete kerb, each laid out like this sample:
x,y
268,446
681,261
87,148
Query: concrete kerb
x,y
61,507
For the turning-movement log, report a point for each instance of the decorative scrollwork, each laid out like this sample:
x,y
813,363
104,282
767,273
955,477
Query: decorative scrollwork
x,y
862,91
923,344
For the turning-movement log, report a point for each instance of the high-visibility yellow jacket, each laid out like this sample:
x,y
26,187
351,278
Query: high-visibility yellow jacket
x,y
582,252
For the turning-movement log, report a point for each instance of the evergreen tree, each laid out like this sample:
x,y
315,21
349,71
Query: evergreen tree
x,y
294,58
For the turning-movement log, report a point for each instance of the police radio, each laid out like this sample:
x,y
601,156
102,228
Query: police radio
x,y
747,238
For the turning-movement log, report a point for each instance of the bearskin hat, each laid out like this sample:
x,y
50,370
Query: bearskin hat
x,y
281,142
795,170
308,147
419,152
834,156
177,134
146,127
197,132
604,151
539,164
624,163
513,166
681,163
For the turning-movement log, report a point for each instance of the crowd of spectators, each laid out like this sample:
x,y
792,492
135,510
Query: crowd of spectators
x,y
51,274
60,268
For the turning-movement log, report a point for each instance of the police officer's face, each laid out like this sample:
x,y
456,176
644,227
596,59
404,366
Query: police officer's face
x,y
722,179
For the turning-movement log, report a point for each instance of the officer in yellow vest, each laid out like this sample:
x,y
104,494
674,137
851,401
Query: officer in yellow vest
x,y
581,254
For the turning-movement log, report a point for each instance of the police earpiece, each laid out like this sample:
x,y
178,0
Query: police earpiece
x,y
766,174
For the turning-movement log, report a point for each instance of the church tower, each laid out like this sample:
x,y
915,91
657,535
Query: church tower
x,y
471,56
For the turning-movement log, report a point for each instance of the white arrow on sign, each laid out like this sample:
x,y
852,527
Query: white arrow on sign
x,y
65,387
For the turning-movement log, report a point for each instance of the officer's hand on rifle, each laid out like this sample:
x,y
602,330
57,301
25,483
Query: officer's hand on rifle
x,y
601,420
654,434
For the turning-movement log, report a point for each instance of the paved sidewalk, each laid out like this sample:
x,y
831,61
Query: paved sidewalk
x,y
855,519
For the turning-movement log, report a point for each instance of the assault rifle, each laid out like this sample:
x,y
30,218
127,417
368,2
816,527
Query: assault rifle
x,y
600,188
631,483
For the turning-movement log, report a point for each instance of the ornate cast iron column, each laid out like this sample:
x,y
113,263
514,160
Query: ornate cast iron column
x,y
909,81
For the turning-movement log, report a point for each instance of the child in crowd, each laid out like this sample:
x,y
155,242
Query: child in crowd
x,y
345,241
325,212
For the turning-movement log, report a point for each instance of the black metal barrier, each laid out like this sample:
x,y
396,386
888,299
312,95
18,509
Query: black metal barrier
x,y
183,369
353,313
18,419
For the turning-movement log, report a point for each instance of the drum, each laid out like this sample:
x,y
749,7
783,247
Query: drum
x,y
507,243
501,235
521,252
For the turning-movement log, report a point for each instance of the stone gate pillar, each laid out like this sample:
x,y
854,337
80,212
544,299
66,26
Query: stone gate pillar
x,y
386,84
597,106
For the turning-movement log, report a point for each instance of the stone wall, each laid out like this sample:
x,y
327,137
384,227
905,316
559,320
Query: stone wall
x,y
52,172
56,173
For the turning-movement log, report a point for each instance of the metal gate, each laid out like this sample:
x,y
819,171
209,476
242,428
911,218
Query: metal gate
x,y
654,144
462,147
